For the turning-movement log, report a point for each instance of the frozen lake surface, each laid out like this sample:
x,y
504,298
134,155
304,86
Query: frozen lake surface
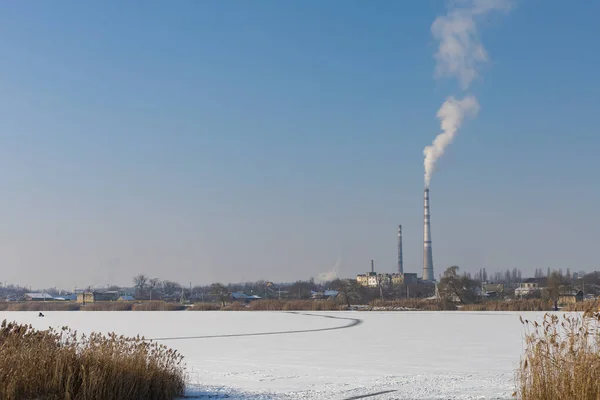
x,y
326,355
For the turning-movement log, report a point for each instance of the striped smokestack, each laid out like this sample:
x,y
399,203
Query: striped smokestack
x,y
427,257
400,262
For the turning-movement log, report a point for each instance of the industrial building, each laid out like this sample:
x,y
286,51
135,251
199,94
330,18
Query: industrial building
x,y
373,279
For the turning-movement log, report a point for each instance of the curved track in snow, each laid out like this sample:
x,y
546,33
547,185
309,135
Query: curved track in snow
x,y
352,322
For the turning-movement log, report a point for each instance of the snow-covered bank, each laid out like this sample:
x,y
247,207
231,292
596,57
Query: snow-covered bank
x,y
255,355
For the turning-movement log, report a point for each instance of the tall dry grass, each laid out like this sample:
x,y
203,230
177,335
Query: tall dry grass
x,y
235,306
590,306
59,364
313,305
266,305
295,305
272,305
158,306
562,358
205,307
512,305
39,306
410,304
108,306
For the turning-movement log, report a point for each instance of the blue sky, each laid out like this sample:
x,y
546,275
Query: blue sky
x,y
228,141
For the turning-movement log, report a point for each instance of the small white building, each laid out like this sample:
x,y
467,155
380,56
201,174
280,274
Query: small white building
x,y
38,297
527,288
373,279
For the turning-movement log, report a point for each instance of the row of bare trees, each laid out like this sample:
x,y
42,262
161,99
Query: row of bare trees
x,y
146,286
464,289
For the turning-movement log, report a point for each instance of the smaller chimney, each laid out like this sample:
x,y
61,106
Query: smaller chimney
x,y
372,266
400,262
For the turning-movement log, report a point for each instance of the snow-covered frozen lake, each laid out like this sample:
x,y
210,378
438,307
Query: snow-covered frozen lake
x,y
326,355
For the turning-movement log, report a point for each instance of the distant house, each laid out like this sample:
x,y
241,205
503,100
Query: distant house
x,y
493,290
570,297
126,297
38,297
326,294
527,288
93,296
241,296
196,297
66,297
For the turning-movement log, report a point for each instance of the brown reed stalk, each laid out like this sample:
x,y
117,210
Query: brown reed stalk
x,y
60,364
561,358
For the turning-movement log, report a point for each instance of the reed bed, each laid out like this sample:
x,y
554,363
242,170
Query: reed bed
x,y
303,305
313,305
590,306
235,306
158,306
410,304
273,305
205,307
266,305
561,359
39,306
512,305
59,364
108,306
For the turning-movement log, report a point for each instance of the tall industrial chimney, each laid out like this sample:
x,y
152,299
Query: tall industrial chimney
x,y
372,267
427,257
400,262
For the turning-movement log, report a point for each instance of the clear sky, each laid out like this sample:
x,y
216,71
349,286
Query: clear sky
x,y
233,140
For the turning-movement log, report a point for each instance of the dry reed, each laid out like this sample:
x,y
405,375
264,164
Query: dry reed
x,y
39,306
313,305
205,307
158,306
108,306
59,364
562,358
235,306
266,305
583,306
512,305
408,304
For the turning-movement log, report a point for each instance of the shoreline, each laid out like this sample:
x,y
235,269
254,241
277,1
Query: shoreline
x,y
298,305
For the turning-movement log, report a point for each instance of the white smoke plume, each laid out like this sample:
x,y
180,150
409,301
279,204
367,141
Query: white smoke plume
x,y
459,54
331,274
451,115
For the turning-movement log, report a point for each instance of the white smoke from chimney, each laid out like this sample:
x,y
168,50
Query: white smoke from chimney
x,y
451,115
460,52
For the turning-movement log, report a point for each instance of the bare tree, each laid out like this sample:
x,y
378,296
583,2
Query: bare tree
x,y
556,284
462,287
349,289
169,287
152,284
140,283
220,291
